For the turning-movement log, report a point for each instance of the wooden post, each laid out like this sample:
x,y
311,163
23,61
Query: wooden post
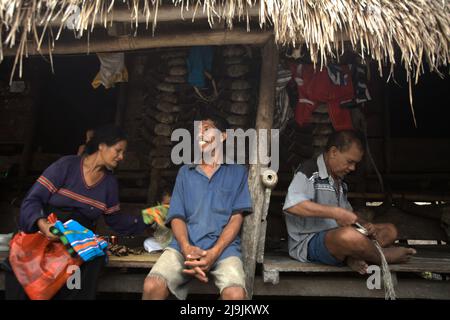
x,y
252,223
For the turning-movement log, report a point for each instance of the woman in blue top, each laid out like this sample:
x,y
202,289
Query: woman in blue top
x,y
84,189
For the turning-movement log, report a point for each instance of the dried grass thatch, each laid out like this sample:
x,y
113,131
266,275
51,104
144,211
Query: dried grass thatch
x,y
420,29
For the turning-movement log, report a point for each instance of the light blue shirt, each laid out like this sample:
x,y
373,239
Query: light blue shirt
x,y
312,182
207,204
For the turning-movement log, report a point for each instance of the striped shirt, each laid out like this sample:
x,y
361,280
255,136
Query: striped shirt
x,y
312,182
63,186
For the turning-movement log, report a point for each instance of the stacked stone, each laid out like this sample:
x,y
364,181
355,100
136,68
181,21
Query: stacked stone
x,y
322,129
164,113
237,98
301,143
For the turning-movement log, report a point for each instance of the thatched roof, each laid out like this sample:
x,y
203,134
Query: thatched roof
x,y
419,29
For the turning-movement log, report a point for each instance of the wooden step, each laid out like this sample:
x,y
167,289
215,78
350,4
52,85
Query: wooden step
x,y
428,259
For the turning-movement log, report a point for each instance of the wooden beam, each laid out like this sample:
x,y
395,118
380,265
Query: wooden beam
x,y
219,38
165,14
252,223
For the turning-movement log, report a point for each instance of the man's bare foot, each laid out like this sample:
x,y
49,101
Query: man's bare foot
x,y
398,254
359,266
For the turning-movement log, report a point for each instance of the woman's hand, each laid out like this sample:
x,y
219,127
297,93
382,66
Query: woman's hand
x,y
44,227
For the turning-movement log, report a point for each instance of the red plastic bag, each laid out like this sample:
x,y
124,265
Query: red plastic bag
x,y
40,265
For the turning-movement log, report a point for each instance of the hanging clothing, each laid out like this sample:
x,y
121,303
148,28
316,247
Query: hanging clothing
x,y
315,87
199,60
85,243
360,87
337,75
359,73
283,111
112,70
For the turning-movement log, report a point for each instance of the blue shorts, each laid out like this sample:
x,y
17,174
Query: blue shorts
x,y
318,252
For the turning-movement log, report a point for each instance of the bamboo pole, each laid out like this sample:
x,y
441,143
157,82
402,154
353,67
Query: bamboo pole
x,y
126,43
252,223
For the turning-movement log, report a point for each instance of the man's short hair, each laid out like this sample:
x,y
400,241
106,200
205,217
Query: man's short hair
x,y
343,140
210,113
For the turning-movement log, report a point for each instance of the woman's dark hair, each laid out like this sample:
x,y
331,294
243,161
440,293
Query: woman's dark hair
x,y
109,134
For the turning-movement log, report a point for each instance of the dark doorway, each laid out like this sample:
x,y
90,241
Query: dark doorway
x,y
69,105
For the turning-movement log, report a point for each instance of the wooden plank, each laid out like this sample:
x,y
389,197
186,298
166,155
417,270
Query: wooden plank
x,y
424,261
353,287
298,286
146,260
125,43
416,264
264,119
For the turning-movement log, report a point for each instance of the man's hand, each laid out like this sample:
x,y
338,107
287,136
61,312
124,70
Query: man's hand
x,y
199,267
371,229
193,253
44,227
344,217
206,262
198,273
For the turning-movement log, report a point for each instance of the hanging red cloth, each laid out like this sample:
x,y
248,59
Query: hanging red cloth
x,y
315,87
